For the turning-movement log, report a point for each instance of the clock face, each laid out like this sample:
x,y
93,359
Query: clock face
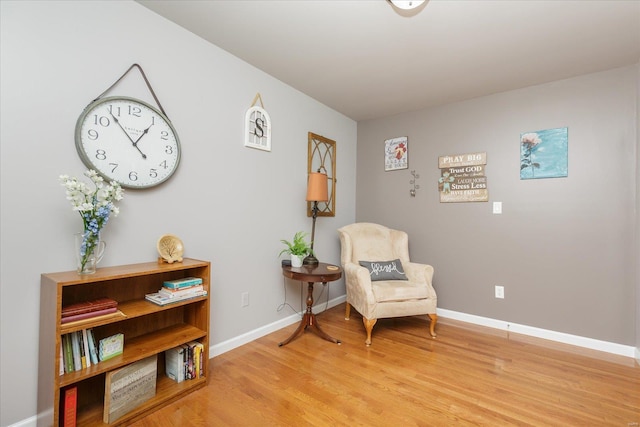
x,y
128,141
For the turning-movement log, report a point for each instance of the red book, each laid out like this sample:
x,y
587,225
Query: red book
x,y
88,306
70,407
88,315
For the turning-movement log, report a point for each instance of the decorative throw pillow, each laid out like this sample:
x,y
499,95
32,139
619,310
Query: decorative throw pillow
x,y
385,270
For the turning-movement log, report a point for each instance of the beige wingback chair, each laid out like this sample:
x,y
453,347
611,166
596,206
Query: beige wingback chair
x,y
384,298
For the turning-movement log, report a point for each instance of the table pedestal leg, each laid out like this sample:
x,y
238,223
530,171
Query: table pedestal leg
x,y
309,319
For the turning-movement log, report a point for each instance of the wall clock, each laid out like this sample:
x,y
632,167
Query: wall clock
x,y
128,141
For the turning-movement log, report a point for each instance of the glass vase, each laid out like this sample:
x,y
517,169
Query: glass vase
x,y
89,249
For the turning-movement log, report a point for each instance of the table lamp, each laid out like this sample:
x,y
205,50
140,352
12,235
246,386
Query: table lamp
x,y
317,191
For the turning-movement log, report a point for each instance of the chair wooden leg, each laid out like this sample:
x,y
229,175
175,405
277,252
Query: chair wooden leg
x,y
432,325
347,312
368,325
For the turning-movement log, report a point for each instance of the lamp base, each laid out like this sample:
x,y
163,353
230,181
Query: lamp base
x,y
310,260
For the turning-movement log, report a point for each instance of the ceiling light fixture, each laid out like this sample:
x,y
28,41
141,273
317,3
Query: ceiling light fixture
x,y
406,4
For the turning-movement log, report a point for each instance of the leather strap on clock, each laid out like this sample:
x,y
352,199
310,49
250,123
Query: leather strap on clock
x,y
145,80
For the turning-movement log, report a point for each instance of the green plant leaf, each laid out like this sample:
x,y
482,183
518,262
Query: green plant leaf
x,y
298,246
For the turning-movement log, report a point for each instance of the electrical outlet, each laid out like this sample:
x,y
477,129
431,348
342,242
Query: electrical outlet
x,y
245,299
500,292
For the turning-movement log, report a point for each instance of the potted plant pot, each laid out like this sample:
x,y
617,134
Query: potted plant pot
x,y
296,260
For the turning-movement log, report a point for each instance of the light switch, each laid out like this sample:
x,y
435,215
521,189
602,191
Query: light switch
x,y
497,207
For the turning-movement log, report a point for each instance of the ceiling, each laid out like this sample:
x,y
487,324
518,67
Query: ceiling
x,y
367,59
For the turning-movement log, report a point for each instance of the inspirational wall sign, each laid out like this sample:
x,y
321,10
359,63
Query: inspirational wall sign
x,y
462,178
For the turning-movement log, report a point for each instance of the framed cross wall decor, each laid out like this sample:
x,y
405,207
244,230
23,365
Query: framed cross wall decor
x,y
322,158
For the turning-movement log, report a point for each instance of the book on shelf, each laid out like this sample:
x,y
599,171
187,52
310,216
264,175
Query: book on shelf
x,y
93,351
185,366
61,359
83,355
68,353
110,347
195,350
75,348
182,283
89,315
161,299
202,360
85,345
189,374
70,407
88,306
175,293
174,363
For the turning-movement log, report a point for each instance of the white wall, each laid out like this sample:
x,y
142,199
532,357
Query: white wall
x,y
229,204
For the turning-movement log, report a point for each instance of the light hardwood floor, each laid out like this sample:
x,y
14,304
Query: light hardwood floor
x,y
468,376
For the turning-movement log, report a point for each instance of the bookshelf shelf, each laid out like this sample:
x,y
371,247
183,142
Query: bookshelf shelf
x,y
166,391
148,329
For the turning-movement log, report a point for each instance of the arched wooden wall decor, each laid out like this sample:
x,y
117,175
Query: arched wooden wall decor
x,y
322,158
257,126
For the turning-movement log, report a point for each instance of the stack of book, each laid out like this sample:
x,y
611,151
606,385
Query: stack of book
x,y
88,309
78,350
178,290
185,362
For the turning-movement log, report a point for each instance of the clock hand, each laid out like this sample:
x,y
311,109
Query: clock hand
x,y
144,132
135,143
125,132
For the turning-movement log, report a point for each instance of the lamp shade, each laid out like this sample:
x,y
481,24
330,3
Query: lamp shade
x,y
317,187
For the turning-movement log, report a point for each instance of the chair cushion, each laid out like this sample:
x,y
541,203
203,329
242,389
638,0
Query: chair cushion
x,y
385,270
393,290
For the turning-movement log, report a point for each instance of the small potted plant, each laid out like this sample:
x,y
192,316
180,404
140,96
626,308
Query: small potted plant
x,y
297,249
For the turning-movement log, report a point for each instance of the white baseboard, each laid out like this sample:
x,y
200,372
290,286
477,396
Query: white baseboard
x,y
619,349
234,342
609,347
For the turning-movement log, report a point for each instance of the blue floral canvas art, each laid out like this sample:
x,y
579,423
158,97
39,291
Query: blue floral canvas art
x,y
544,154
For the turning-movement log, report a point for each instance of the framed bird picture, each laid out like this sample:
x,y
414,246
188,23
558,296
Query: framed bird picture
x,y
396,153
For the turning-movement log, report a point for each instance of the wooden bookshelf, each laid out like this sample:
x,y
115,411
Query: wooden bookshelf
x,y
148,329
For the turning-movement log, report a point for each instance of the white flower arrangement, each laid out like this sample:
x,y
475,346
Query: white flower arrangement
x,y
95,206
